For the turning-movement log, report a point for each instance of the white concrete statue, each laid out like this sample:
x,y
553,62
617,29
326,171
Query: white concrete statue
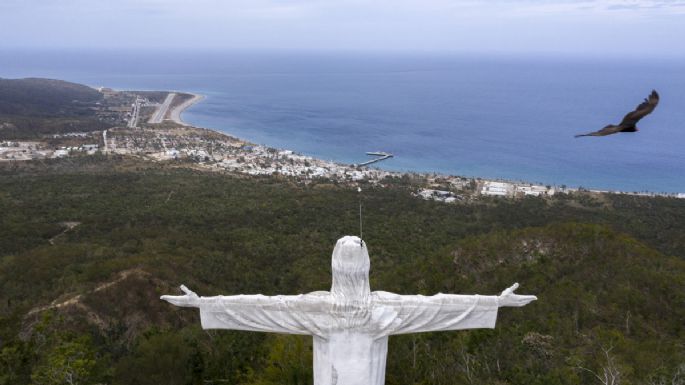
x,y
350,324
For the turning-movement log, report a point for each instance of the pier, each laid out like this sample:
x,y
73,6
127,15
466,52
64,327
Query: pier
x,y
380,155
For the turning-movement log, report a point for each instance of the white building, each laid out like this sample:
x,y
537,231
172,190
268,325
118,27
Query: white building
x,y
60,153
501,189
437,195
534,190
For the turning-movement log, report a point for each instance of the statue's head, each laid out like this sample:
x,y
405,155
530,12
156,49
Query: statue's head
x,y
350,269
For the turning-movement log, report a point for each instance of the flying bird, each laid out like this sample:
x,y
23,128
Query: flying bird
x,y
630,120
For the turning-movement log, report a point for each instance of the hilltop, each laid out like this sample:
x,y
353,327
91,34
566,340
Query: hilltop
x,y
37,97
33,107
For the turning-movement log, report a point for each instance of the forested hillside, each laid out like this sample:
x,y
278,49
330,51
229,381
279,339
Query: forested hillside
x,y
33,107
88,244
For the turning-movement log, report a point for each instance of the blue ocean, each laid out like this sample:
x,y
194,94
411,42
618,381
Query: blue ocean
x,y
509,117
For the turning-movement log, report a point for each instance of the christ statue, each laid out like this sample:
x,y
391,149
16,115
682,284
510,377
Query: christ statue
x,y
350,324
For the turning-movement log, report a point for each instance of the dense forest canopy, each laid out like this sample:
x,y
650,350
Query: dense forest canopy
x,y
45,97
32,107
103,237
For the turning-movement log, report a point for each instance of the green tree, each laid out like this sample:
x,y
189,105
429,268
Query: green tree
x,y
14,359
289,362
68,362
163,358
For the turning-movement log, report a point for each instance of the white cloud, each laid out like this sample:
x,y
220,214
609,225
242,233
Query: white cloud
x,y
487,25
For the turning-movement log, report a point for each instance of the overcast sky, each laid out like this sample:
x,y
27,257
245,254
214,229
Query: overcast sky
x,y
609,27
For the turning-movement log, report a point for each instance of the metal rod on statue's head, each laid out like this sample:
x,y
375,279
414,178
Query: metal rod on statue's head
x,y
361,233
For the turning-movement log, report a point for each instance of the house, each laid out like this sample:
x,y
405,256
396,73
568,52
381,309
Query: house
x,y
60,153
497,189
90,147
534,190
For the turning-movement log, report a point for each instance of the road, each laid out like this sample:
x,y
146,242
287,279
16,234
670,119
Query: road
x,y
161,112
135,114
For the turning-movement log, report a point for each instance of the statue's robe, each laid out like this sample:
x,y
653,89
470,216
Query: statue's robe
x,y
350,336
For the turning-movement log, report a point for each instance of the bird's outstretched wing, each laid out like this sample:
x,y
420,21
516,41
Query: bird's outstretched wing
x,y
644,109
630,120
607,130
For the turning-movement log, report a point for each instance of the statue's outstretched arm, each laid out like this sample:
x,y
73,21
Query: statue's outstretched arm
x,y
189,300
292,314
399,314
509,298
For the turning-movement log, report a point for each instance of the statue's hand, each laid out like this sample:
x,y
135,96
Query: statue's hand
x,y
189,300
508,298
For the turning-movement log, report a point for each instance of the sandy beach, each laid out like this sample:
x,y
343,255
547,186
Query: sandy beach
x,y
175,114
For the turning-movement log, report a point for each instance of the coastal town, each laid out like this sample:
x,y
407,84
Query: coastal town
x,y
150,127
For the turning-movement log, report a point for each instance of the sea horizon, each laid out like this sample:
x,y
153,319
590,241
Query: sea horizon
x,y
509,118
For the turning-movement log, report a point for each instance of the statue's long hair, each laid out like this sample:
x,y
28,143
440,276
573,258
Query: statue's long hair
x,y
350,290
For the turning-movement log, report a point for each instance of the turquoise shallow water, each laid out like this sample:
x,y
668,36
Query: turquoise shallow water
x,y
496,117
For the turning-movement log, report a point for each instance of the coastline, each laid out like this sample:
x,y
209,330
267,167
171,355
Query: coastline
x,y
496,187
453,140
217,150
176,112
